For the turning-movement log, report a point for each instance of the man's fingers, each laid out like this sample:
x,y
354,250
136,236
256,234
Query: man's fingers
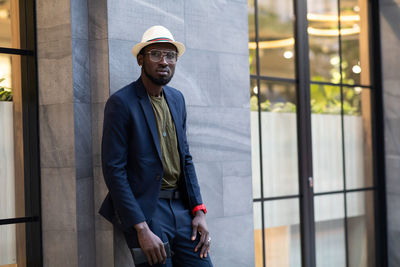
x,y
194,232
148,256
201,242
158,253
154,258
206,245
163,254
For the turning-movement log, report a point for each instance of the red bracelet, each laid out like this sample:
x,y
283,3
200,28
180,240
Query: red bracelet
x,y
199,207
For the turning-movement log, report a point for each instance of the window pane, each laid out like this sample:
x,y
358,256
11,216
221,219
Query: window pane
x,y
11,156
329,230
323,40
327,138
258,234
12,244
252,36
279,138
9,24
276,42
358,137
282,233
355,41
360,223
255,140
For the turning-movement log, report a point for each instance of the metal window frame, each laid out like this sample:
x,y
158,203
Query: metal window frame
x,y
303,82
34,257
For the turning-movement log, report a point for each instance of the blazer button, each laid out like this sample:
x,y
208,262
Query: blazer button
x,y
158,177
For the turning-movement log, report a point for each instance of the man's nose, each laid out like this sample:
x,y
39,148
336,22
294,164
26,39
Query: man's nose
x,y
163,61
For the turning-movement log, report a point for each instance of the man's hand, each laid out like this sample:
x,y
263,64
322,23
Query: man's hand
x,y
151,244
199,225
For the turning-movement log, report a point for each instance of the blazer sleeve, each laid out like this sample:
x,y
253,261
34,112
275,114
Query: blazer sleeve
x,y
193,187
114,152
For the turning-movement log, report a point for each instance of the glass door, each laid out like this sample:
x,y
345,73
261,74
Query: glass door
x,y
312,136
340,100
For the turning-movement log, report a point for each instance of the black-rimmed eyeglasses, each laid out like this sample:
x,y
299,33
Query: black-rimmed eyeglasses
x,y
156,55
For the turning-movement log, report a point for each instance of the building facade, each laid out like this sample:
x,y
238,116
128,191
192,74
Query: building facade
x,y
288,181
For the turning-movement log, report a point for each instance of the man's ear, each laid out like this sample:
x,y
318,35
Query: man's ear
x,y
140,59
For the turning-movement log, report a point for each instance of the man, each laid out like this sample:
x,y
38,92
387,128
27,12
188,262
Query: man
x,y
154,196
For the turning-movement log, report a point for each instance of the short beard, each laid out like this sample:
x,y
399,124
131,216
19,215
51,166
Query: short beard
x,y
159,81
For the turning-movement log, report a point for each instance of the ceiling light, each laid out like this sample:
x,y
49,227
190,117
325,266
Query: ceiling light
x,y
4,14
334,32
333,18
272,44
356,69
288,54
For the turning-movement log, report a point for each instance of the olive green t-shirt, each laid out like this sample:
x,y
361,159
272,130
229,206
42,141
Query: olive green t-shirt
x,y
168,142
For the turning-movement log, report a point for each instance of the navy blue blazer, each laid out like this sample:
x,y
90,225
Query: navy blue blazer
x,y
131,155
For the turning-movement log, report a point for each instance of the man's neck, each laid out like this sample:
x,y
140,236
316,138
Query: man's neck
x,y
151,88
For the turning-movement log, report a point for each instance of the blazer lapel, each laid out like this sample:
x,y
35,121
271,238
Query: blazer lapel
x,y
149,115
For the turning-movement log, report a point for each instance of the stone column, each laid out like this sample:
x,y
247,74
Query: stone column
x,y
57,135
390,45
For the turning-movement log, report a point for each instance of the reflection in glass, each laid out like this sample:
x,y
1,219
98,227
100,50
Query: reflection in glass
x,y
282,233
326,127
358,137
279,137
360,229
9,24
323,40
258,234
355,46
252,37
276,42
329,230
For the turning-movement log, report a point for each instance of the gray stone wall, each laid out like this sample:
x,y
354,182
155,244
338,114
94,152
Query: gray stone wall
x,y
84,56
390,43
213,75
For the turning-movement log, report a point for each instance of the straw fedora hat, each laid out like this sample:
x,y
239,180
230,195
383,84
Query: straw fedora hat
x,y
157,34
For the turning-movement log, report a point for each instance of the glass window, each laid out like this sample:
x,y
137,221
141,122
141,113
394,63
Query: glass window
x,y
327,152
258,238
279,138
252,37
9,24
329,230
255,140
276,39
282,233
323,37
355,41
357,130
11,160
360,229
12,245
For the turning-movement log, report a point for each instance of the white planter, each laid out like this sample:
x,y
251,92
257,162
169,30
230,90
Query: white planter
x,y
7,184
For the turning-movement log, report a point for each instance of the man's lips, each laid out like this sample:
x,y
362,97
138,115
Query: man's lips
x,y
163,71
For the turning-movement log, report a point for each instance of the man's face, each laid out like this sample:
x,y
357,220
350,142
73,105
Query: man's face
x,y
162,71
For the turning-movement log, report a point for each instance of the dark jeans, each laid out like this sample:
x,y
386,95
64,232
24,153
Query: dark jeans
x,y
173,223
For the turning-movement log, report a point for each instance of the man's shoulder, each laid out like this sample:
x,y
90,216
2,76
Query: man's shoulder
x,y
174,92
126,92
